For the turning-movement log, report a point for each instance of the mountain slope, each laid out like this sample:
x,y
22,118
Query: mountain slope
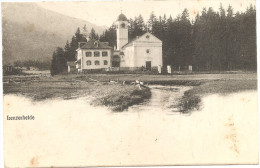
x,y
32,32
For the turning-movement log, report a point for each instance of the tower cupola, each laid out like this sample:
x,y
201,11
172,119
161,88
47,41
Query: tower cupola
x,y
121,17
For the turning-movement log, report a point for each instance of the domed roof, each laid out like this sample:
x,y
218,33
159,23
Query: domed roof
x,y
121,17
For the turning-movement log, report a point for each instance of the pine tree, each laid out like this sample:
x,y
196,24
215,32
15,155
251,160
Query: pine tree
x,y
93,35
54,70
151,22
67,51
85,31
73,45
60,60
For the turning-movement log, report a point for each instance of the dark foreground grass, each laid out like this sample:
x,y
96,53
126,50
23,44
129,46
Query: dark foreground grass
x,y
191,99
119,102
117,96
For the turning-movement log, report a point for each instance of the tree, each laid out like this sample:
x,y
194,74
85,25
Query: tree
x,y
54,69
151,22
70,51
85,31
93,35
59,62
109,36
67,51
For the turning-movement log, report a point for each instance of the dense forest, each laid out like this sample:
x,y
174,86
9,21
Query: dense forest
x,y
215,40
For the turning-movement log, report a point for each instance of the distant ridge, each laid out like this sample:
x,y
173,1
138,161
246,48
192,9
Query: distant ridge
x,y
31,32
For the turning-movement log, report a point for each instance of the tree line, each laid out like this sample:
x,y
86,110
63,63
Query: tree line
x,y
215,40
61,56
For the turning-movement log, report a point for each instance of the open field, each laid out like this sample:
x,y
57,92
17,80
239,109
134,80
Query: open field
x,y
156,78
118,95
115,95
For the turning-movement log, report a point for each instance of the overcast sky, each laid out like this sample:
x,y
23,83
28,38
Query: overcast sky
x,y
105,12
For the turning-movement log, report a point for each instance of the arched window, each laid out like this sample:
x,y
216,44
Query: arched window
x,y
123,25
105,62
147,51
88,62
96,62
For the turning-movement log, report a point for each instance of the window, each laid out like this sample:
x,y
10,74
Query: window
x,y
96,62
104,53
88,54
88,62
105,62
122,25
96,54
147,51
96,44
147,36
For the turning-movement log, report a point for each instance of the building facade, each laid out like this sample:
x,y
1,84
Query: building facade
x,y
93,55
142,52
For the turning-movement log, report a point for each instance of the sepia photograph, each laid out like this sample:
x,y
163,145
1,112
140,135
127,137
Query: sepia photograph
x,y
129,83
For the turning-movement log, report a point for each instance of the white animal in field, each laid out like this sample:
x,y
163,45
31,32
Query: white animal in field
x,y
138,83
139,86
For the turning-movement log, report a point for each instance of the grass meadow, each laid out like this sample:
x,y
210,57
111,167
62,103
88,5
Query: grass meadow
x,y
117,92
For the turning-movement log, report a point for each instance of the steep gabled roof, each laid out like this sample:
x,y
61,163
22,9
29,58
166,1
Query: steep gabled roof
x,y
136,38
95,44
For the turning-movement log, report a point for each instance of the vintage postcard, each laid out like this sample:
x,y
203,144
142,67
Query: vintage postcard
x,y
129,83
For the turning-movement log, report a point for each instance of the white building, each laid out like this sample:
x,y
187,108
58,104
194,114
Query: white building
x,y
93,55
144,51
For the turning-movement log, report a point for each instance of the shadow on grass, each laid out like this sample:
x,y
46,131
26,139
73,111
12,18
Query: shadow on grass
x,y
189,103
119,103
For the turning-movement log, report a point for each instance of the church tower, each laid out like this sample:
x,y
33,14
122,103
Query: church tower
x,y
122,31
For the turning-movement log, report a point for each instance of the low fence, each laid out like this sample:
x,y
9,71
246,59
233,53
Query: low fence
x,y
134,70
